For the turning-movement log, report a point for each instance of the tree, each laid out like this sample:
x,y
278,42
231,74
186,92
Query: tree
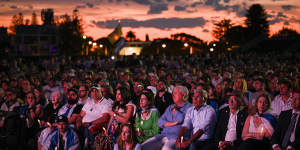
x,y
220,28
47,16
70,34
130,36
256,21
34,20
17,20
286,33
235,35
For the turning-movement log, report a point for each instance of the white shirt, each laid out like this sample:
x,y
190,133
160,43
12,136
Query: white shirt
x,y
204,119
231,127
94,110
278,105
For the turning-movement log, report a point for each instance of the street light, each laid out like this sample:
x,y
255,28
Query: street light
x,y
211,49
84,37
101,45
90,42
163,45
186,44
214,44
94,44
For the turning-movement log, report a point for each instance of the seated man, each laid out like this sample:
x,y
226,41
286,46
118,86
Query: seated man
x,y
201,119
170,122
287,132
71,109
62,138
230,125
94,113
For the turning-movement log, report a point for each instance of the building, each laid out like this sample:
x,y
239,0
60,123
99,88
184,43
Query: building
x,y
36,40
135,47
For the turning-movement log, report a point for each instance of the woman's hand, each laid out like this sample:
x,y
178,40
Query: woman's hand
x,y
111,113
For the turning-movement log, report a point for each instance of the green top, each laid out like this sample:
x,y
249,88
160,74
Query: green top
x,y
149,125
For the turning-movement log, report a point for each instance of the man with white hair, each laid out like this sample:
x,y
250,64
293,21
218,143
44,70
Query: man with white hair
x,y
201,119
170,122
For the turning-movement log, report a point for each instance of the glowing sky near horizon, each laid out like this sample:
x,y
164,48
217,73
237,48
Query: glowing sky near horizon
x,y
158,18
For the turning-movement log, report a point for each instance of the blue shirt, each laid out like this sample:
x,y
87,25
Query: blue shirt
x,y
173,131
204,119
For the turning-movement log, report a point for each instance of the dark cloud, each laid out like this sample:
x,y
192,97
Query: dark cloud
x,y
226,1
276,20
144,2
205,30
30,6
196,4
13,7
157,8
80,6
287,7
270,16
180,8
286,23
90,5
211,2
159,23
280,14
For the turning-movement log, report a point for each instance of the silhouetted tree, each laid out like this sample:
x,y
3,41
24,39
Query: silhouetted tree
x,y
34,20
70,34
17,20
220,29
47,16
130,36
235,35
286,33
256,21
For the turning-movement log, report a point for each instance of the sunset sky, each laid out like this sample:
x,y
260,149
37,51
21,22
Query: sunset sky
x,y
158,18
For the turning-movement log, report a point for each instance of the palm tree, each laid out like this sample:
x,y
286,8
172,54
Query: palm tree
x,y
130,36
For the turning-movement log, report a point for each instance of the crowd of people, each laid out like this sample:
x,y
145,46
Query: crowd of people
x,y
239,101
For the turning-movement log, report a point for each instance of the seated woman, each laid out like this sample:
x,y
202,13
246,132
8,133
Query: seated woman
x,y
127,140
52,108
122,112
259,126
147,117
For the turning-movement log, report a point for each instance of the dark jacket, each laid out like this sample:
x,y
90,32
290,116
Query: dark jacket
x,y
222,124
282,126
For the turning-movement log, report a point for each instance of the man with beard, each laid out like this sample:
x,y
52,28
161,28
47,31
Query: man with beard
x,y
83,95
72,109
